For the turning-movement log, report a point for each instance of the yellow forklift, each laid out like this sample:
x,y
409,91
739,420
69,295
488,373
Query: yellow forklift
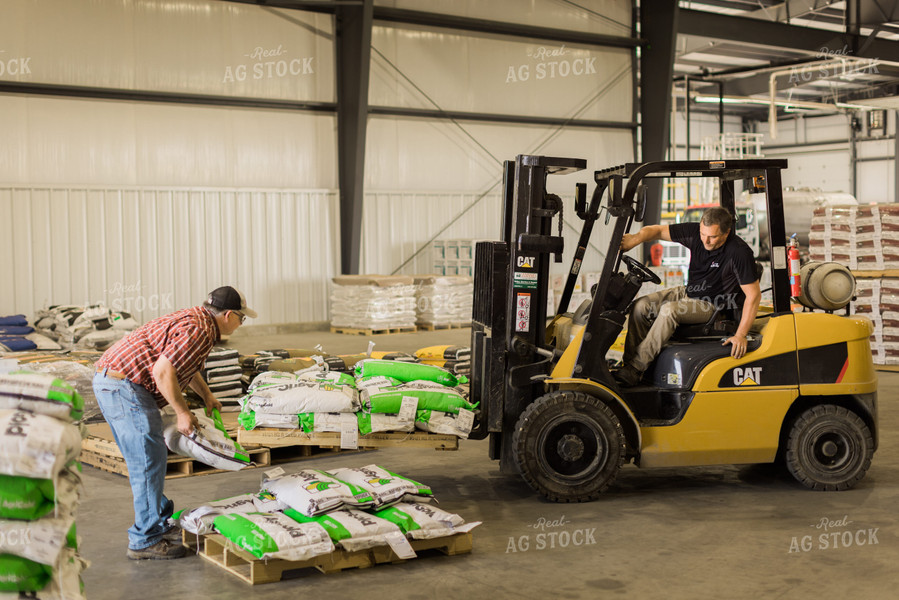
x,y
804,394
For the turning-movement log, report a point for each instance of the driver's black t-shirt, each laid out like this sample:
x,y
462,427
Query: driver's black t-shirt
x,y
716,276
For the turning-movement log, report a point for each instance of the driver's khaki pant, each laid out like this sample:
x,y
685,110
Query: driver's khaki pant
x,y
654,318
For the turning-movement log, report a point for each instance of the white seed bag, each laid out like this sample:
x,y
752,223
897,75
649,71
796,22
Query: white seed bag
x,y
41,541
303,397
275,535
36,445
208,443
424,521
352,529
41,393
384,486
313,492
199,520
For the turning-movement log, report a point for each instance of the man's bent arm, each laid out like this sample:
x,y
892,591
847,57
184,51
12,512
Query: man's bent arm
x,y
750,310
650,233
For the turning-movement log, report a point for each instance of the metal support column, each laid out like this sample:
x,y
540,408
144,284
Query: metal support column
x,y
895,155
853,157
658,26
353,24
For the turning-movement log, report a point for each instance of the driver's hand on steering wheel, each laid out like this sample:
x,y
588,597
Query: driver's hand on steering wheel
x,y
629,241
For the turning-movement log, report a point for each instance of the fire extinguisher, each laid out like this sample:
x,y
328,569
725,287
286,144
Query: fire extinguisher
x,y
793,257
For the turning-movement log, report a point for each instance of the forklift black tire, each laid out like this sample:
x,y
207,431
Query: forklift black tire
x,y
569,446
829,448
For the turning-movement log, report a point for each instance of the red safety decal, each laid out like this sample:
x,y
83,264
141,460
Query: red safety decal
x,y
843,370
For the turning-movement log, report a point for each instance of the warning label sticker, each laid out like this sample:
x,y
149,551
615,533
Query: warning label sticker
x,y
527,281
523,312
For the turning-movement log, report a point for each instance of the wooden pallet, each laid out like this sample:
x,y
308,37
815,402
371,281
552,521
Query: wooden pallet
x,y
274,438
100,450
355,331
893,368
439,326
224,553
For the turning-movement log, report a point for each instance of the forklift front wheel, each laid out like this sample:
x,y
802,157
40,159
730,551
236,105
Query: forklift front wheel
x,y
829,448
569,446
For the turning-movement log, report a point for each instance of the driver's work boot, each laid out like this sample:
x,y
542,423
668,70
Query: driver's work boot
x,y
628,376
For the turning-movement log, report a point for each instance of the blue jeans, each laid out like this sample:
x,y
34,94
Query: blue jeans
x,y
136,425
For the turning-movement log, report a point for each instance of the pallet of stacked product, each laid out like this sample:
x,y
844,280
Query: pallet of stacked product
x,y
372,304
443,302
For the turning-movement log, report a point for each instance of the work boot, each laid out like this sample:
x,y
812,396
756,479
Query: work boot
x,y
173,535
161,550
628,376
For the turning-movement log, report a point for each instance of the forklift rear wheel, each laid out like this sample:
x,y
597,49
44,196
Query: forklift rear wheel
x,y
569,446
829,448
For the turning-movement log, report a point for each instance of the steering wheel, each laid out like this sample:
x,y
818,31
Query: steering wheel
x,y
637,268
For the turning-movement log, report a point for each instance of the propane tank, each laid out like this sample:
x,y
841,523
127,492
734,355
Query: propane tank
x,y
793,258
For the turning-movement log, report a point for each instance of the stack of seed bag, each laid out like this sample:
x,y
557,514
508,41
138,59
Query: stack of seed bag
x,y
93,327
382,396
293,360
310,513
222,374
40,487
443,300
373,302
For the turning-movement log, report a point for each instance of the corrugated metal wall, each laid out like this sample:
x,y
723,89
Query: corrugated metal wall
x,y
151,251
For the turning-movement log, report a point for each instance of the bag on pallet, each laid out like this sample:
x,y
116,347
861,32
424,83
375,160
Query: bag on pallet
x,y
325,422
446,352
209,443
384,486
274,535
335,377
351,529
381,400
200,520
424,521
29,499
445,423
378,423
376,381
250,420
36,446
271,378
40,393
405,371
303,397
313,492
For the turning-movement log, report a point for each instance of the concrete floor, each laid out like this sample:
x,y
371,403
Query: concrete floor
x,y
717,532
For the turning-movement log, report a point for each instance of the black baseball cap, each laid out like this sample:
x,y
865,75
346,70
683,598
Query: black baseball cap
x,y
227,298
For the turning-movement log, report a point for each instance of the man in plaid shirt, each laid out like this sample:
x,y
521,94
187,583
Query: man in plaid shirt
x,y
139,375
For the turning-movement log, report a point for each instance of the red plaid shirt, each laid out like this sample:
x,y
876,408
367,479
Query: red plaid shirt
x,y
184,337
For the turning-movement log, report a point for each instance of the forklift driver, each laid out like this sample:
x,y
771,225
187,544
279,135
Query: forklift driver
x,y
721,274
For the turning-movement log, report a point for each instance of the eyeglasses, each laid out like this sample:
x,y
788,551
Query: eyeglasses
x,y
240,316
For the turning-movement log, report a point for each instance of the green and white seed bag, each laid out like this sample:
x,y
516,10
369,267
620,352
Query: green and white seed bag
x,y
27,498
445,423
22,578
335,377
377,381
379,423
250,420
421,521
351,529
40,393
385,487
274,535
33,445
41,541
199,520
380,400
303,397
405,371
325,422
313,492
209,443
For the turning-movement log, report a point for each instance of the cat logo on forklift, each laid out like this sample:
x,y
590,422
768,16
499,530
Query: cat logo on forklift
x,y
748,376
526,262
